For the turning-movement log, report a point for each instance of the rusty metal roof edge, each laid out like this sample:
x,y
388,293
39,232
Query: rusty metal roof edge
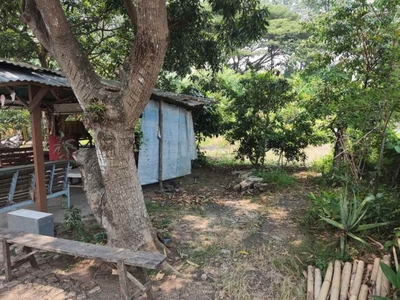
x,y
191,102
30,66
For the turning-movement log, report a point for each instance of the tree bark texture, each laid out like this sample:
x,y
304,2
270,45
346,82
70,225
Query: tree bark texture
x,y
111,180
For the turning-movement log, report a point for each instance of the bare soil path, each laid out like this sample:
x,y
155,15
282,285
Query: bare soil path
x,y
233,245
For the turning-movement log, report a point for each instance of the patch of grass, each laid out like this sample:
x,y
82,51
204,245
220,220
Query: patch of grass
x,y
200,256
261,275
278,178
315,252
164,223
154,208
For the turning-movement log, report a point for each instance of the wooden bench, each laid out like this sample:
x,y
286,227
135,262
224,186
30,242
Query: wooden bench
x,y
17,184
120,257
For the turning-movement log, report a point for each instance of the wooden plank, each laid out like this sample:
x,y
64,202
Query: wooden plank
x,y
7,260
24,259
123,281
9,150
36,120
106,253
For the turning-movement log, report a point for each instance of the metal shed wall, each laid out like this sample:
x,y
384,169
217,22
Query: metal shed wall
x,y
179,144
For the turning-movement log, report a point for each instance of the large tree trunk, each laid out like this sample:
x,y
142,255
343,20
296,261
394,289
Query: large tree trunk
x,y
114,192
111,180
113,189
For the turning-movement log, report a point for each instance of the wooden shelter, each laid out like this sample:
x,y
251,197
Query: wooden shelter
x,y
38,89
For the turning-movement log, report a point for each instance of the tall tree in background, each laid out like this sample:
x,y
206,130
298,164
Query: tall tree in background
x,y
111,180
285,33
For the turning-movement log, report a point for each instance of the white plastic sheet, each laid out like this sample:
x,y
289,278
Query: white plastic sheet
x,y
179,145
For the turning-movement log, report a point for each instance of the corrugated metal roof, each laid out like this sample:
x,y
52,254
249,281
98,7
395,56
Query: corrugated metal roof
x,y
29,66
11,71
21,72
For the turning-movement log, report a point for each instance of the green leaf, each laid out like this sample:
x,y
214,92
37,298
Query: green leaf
x,y
379,298
390,275
397,149
333,223
371,226
358,239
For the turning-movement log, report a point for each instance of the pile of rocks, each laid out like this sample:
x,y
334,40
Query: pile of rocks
x,y
249,182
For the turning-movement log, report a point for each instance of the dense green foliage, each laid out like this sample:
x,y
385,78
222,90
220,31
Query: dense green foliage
x,y
12,120
263,119
202,34
353,83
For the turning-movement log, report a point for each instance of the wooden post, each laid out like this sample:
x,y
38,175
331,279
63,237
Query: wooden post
x,y
31,258
160,144
147,281
7,260
123,279
35,96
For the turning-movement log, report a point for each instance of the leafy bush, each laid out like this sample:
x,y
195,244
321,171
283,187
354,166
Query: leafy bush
x,y
264,117
323,165
81,232
73,222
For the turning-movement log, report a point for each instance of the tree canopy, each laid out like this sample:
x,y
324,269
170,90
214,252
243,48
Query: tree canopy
x,y
202,34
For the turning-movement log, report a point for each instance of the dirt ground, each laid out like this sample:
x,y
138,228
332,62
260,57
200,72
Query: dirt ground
x,y
229,245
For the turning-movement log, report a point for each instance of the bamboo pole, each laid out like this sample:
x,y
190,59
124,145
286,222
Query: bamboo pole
x,y
377,291
346,274
396,261
318,283
335,289
353,273
326,284
368,273
364,292
374,273
355,289
385,287
310,283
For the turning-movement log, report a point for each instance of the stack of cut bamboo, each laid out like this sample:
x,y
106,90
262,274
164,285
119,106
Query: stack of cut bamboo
x,y
349,281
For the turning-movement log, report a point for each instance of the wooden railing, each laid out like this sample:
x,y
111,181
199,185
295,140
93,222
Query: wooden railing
x,y
17,184
17,156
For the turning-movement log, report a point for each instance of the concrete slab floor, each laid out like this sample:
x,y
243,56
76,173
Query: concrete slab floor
x,y
78,199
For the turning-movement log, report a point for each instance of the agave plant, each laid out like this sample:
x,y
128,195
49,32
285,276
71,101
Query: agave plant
x,y
352,213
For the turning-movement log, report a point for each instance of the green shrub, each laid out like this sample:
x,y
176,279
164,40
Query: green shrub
x,y
323,165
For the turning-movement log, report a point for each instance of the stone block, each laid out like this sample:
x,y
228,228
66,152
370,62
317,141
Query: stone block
x,y
31,221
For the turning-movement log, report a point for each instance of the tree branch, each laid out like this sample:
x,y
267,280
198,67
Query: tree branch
x,y
132,12
146,57
47,20
31,16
